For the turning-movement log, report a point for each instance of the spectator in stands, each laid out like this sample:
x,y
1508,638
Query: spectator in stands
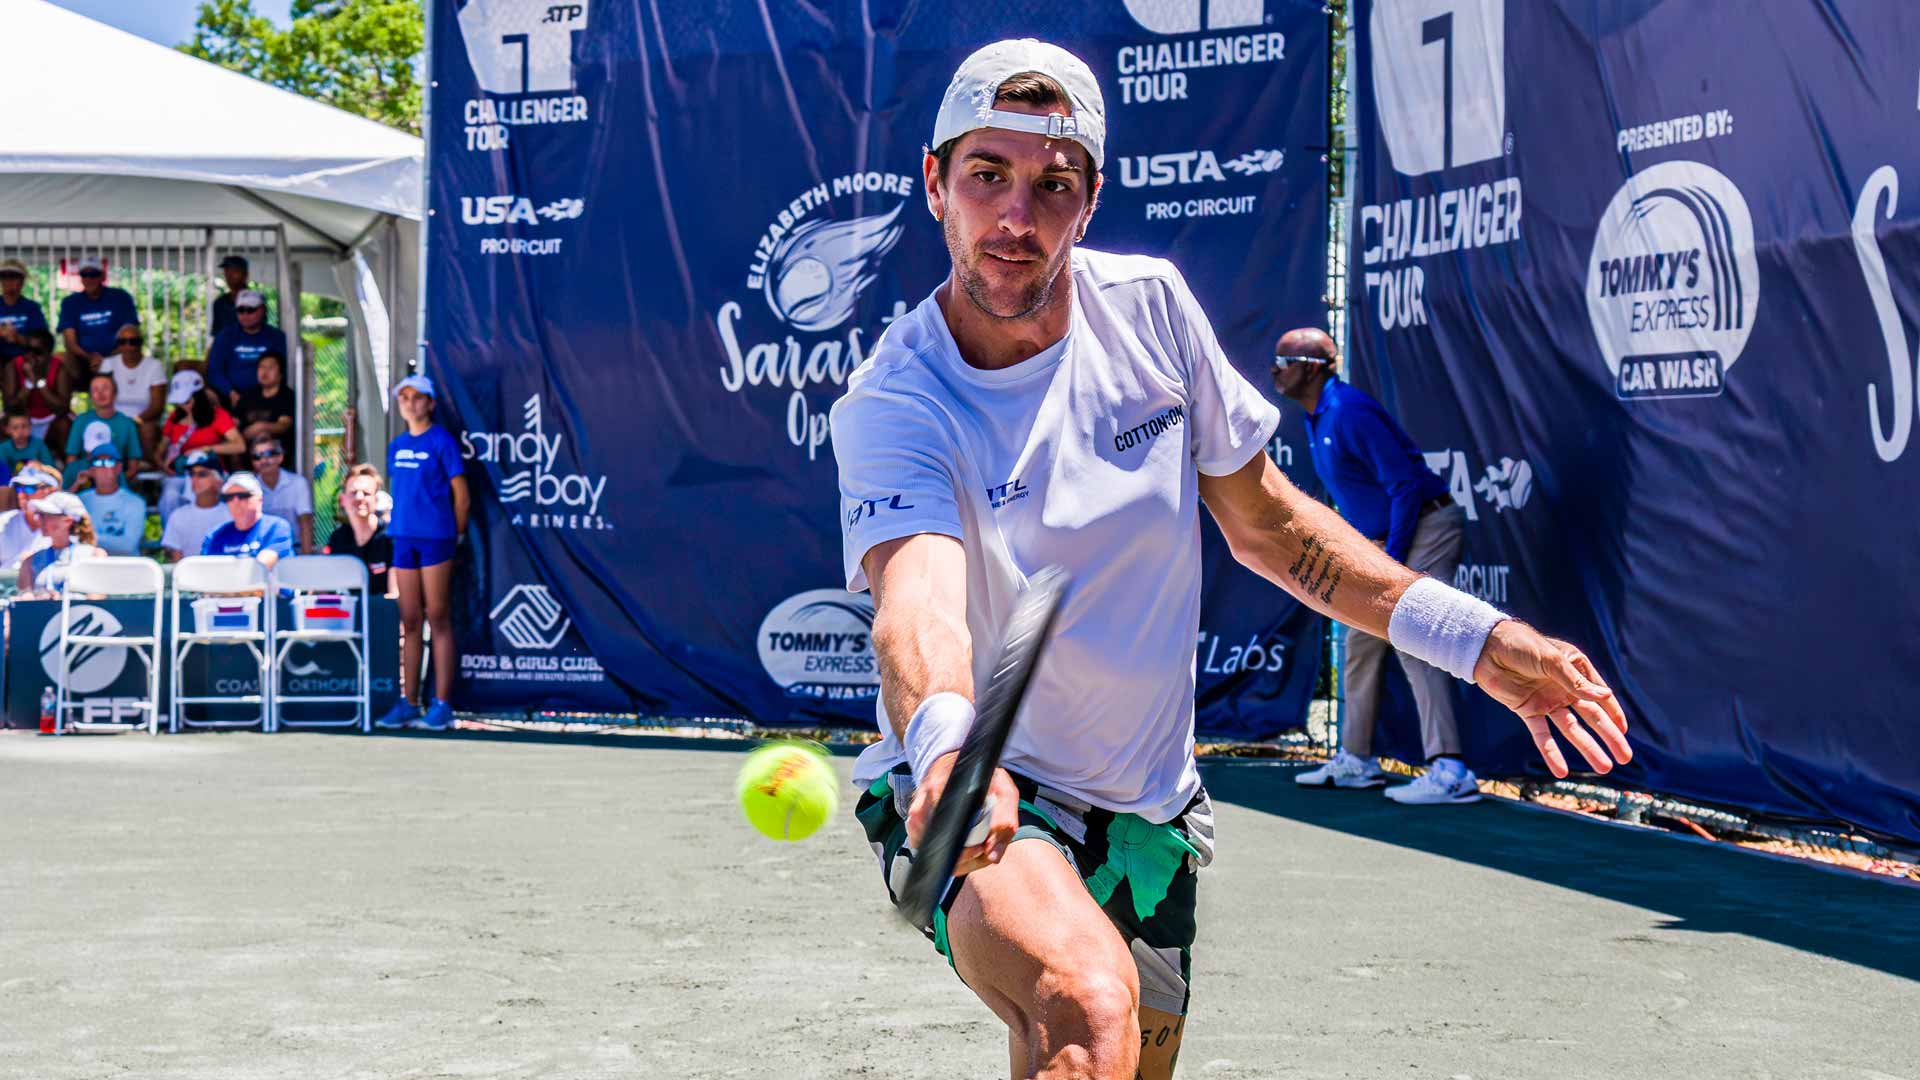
x,y
429,518
252,534
37,385
63,521
360,533
20,528
121,430
119,516
234,269
18,314
288,495
90,319
188,525
1376,477
140,386
21,444
197,421
234,358
268,410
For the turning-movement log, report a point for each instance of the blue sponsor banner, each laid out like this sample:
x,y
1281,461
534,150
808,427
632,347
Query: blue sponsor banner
x,y
1642,280
662,236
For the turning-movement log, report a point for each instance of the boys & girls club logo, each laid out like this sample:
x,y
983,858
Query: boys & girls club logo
x,y
819,644
531,485
1673,286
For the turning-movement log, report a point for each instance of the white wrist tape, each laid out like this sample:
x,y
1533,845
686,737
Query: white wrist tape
x,y
938,727
1445,627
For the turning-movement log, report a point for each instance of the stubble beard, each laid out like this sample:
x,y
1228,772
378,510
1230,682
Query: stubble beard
x,y
1035,299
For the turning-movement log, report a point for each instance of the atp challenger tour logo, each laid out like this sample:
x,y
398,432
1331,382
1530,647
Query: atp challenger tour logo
x,y
528,461
1672,286
1155,71
807,272
522,57
819,644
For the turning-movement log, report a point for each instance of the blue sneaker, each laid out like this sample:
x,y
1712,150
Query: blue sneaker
x,y
438,717
400,716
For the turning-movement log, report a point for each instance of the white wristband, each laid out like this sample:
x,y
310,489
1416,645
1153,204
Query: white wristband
x,y
938,727
1445,627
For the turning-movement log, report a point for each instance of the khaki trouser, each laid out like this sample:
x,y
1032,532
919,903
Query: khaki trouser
x,y
1437,541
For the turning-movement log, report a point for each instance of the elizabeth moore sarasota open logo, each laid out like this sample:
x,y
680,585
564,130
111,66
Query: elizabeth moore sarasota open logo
x,y
536,492
1673,286
819,645
791,325
532,624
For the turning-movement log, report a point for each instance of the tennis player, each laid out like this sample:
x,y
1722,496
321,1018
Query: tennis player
x,y
1050,404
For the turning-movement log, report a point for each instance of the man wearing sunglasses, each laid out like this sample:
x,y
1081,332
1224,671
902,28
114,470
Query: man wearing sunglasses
x,y
18,314
253,533
140,386
189,524
233,359
287,494
91,318
1379,482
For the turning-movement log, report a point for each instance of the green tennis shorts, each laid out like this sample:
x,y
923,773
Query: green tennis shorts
x,y
1141,874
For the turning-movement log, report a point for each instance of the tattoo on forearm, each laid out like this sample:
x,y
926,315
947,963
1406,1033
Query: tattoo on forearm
x,y
1314,555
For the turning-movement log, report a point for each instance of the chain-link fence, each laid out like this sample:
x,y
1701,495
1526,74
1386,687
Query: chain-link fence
x,y
332,386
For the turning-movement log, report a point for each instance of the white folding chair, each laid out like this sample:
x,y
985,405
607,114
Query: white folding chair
x,y
114,577
213,577
307,576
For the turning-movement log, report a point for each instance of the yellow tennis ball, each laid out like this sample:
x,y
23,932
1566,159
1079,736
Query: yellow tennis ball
x,y
788,790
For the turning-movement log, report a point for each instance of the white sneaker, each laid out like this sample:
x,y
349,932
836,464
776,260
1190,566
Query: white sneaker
x,y
1346,771
1446,781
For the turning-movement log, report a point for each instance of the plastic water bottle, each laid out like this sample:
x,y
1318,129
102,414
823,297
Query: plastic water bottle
x,y
48,702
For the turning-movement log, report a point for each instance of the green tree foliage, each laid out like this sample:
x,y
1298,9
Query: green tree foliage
x,y
357,55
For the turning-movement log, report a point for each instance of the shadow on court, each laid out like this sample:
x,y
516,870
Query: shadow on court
x,y
1700,888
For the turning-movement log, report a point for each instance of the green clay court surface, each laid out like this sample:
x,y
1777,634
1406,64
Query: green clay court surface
x,y
314,906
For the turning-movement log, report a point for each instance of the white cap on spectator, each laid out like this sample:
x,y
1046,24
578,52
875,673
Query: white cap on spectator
x,y
968,104
61,503
185,384
249,298
96,434
13,266
243,481
419,383
91,263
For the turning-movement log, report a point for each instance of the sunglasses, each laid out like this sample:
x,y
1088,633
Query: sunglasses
x,y
1283,361
129,341
236,496
249,310
266,455
92,273
200,472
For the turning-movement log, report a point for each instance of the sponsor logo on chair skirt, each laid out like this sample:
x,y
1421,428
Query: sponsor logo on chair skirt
x,y
819,644
95,667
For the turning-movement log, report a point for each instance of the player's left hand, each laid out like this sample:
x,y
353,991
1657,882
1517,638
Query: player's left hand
x,y
1551,684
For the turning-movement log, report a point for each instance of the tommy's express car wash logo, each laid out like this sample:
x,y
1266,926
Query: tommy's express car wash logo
x,y
522,57
1156,71
819,645
528,461
1673,286
807,272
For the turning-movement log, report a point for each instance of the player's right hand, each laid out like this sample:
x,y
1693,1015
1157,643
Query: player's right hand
x,y
1004,817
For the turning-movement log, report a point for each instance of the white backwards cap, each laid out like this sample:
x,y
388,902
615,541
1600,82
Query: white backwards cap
x,y
968,104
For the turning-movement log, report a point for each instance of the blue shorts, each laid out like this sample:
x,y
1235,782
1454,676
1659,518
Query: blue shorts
x,y
419,552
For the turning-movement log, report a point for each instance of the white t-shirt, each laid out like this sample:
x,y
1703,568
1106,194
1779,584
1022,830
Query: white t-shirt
x,y
290,498
1086,456
133,386
17,538
187,527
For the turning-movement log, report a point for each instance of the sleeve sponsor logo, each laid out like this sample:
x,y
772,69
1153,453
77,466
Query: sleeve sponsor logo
x,y
1152,428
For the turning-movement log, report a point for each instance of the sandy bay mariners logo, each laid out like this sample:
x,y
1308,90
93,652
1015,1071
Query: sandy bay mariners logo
x,y
1673,286
538,494
810,267
522,57
819,644
95,667
529,617
1158,70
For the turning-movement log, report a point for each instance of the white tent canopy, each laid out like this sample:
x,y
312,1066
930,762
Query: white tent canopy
x,y
153,137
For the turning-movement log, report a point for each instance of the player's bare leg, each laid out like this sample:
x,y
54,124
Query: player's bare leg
x,y
1034,946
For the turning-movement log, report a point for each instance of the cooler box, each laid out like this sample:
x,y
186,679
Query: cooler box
x,y
324,611
226,614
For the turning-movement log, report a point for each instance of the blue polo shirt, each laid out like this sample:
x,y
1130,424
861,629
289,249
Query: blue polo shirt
x,y
420,469
95,320
1371,467
23,316
269,533
233,361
